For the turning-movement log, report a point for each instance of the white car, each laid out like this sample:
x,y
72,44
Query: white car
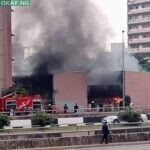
x,y
111,119
115,119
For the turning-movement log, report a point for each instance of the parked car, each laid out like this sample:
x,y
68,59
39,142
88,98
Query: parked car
x,y
115,119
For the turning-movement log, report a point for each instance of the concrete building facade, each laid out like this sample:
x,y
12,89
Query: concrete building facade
x,y
5,48
70,88
139,26
137,86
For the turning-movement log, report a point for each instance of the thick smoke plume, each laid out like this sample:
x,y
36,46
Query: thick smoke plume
x,y
65,35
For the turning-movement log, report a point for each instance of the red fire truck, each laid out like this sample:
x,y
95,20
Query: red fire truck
x,y
19,103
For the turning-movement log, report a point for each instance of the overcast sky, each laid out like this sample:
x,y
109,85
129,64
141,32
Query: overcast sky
x,y
116,12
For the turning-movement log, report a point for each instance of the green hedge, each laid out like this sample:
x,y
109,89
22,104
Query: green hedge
x,y
130,116
4,121
42,119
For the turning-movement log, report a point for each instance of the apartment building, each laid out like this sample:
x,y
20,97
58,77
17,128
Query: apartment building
x,y
139,26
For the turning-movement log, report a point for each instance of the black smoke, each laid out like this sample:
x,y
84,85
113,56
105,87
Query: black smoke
x,y
67,35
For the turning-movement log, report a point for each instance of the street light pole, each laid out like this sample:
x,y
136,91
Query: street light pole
x,y
123,70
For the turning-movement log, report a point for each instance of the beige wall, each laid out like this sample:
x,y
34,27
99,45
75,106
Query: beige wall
x,y
70,88
138,87
5,48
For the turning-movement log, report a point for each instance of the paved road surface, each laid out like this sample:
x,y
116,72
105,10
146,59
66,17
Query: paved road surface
x,y
115,146
123,147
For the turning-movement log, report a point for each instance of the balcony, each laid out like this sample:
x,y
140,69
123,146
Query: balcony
x,y
139,11
140,50
138,31
140,40
133,2
139,21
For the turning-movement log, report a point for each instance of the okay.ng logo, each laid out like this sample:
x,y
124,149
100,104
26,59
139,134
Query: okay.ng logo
x,y
14,2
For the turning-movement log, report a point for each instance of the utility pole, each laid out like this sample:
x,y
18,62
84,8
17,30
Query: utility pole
x,y
123,70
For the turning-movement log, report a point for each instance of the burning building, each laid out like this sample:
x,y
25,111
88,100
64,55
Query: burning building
x,y
68,36
36,84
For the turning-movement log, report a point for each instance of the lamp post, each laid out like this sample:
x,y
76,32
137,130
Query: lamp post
x,y
123,70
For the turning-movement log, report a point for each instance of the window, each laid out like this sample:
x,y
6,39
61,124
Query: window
x,y
146,45
133,27
146,5
134,46
134,37
134,17
146,15
10,105
36,105
146,35
147,25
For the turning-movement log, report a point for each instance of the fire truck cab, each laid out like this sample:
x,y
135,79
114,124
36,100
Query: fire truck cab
x,y
21,103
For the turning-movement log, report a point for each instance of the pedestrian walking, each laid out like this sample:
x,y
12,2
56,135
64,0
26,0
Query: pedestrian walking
x,y
105,132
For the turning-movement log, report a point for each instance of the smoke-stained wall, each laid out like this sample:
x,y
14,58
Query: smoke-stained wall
x,y
36,84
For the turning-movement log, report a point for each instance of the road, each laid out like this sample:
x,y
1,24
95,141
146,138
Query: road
x,y
122,147
115,146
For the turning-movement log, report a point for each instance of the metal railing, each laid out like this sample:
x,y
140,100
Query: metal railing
x,y
76,128
108,110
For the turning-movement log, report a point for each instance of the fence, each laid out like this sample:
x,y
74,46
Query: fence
x,y
104,111
88,128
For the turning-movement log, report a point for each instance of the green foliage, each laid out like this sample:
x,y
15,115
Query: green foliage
x,y
146,66
42,119
130,116
4,121
127,100
18,90
144,63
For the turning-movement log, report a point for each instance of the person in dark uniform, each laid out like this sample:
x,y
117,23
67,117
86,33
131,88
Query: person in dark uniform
x,y
50,108
92,106
105,132
76,107
65,108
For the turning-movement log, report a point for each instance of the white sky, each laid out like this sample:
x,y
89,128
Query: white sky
x,y
116,12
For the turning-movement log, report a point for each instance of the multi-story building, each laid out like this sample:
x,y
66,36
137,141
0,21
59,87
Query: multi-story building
x,y
139,26
5,48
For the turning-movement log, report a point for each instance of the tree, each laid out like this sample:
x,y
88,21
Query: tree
x,y
144,62
146,66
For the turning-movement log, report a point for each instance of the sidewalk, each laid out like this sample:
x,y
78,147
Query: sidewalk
x,y
89,146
